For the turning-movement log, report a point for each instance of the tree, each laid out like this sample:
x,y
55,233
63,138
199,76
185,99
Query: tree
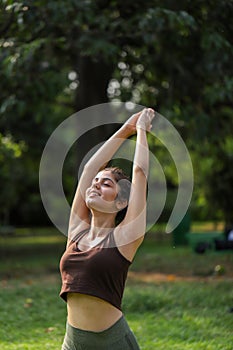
x,y
58,57
10,175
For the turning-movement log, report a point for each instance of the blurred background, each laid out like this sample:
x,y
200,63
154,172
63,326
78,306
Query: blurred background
x,y
58,57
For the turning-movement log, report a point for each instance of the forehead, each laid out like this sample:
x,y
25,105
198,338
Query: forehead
x,y
105,174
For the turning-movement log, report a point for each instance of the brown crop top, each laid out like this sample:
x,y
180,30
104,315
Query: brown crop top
x,y
100,271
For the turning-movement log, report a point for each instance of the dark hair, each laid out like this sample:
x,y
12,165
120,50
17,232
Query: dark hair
x,y
125,186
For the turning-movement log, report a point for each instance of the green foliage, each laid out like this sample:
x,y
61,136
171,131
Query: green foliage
x,y
10,175
59,56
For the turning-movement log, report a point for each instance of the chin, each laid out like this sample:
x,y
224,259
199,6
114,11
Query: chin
x,y
91,204
88,203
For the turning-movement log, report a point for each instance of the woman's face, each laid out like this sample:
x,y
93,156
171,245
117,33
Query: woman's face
x,y
102,193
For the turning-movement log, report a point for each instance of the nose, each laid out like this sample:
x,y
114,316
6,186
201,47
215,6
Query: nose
x,y
97,185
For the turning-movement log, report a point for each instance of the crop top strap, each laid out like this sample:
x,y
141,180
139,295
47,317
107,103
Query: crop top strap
x,y
77,237
112,242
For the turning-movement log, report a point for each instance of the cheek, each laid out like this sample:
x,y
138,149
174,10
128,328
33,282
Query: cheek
x,y
86,193
110,195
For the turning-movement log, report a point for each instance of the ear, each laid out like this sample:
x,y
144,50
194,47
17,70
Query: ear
x,y
121,204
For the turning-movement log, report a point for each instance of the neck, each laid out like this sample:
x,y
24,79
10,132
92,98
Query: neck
x,y
101,224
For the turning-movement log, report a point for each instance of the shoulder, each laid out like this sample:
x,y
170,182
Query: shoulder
x,y
76,232
127,245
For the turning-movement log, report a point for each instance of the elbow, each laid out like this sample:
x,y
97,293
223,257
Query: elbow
x,y
87,169
141,169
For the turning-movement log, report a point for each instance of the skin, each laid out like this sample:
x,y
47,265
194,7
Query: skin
x,y
101,200
104,190
96,193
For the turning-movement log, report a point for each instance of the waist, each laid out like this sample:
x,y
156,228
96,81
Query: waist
x,y
91,313
111,338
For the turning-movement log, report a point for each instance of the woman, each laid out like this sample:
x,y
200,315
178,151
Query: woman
x,y
95,264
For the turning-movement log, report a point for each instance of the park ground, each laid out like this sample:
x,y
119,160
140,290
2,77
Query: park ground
x,y
174,298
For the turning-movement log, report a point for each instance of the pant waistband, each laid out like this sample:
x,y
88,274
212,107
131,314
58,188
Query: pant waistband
x,y
113,333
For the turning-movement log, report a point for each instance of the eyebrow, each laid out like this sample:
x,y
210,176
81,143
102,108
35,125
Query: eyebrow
x,y
106,178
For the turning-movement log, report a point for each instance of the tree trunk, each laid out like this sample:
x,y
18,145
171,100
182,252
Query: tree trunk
x,y
94,77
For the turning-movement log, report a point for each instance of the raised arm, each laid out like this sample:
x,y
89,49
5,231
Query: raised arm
x,y
80,218
134,224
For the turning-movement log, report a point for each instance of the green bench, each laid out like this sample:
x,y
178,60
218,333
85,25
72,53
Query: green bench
x,y
202,239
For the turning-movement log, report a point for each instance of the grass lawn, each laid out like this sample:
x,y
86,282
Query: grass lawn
x,y
174,299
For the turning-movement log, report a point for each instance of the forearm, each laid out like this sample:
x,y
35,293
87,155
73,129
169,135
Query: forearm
x,y
107,150
136,212
141,156
135,218
98,161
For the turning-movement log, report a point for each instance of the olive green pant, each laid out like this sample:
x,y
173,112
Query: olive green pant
x,y
117,337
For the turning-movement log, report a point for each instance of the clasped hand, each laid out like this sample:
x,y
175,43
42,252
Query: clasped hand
x,y
140,120
145,119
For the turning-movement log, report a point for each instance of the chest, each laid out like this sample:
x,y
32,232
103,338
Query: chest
x,y
93,262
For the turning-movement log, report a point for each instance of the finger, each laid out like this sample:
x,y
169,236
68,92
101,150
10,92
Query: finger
x,y
151,112
145,111
151,118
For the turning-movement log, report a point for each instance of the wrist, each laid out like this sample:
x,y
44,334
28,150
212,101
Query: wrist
x,y
140,127
127,130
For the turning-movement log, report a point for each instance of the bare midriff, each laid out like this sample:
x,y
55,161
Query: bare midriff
x,y
90,313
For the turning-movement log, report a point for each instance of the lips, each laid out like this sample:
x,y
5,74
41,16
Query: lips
x,y
93,194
